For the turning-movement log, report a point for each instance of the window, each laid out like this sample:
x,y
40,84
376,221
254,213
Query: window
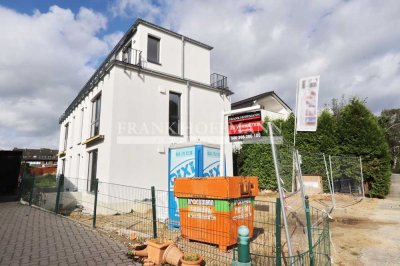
x,y
153,49
92,173
62,166
174,113
81,124
95,126
66,136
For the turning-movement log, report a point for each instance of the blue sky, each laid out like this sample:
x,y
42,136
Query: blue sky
x,y
50,49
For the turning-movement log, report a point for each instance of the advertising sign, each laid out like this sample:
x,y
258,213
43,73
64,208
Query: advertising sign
x,y
245,126
307,104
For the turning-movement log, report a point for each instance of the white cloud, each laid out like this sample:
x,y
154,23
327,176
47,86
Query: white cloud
x,y
268,45
141,8
46,58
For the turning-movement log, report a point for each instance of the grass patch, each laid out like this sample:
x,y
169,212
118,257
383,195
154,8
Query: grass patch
x,y
45,181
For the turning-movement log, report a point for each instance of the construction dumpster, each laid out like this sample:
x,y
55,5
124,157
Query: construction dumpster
x,y
212,209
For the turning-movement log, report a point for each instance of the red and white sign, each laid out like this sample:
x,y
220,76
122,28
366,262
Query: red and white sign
x,y
245,126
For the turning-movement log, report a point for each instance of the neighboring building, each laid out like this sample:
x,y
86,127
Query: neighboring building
x,y
152,91
272,106
39,157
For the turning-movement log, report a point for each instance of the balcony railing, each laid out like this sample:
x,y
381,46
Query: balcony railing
x,y
218,81
132,56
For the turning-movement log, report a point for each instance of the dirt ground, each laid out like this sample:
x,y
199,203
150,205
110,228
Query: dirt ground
x,y
368,232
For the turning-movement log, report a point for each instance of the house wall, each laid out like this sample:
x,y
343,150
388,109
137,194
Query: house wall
x,y
140,137
80,131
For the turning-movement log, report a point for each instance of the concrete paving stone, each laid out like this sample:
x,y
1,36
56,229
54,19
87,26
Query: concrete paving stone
x,y
30,236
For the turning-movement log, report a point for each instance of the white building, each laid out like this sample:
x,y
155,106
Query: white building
x,y
272,106
154,89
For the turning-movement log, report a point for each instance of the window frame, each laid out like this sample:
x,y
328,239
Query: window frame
x,y
179,116
92,169
96,111
66,129
149,36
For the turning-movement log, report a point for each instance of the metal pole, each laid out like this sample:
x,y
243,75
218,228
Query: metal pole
x,y
362,178
278,241
309,233
154,211
281,195
327,173
96,192
300,178
33,187
60,184
222,146
333,187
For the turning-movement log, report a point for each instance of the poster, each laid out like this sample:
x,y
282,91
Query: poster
x,y
307,104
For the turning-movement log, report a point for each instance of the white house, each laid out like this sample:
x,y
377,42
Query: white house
x,y
153,90
272,106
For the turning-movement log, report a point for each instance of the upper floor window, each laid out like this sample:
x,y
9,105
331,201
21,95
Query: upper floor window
x,y
95,125
153,49
174,113
66,136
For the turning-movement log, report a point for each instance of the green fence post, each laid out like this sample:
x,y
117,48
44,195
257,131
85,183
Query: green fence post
x,y
154,211
310,243
60,185
243,245
278,242
96,192
33,187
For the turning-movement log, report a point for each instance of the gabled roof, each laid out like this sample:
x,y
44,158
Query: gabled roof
x,y
260,96
106,63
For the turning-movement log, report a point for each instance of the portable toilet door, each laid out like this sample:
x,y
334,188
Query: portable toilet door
x,y
193,160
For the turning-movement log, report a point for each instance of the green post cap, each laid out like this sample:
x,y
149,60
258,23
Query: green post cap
x,y
243,231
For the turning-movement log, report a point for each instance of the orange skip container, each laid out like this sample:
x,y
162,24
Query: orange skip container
x,y
212,209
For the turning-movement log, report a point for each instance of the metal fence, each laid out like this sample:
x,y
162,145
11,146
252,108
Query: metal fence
x,y
136,214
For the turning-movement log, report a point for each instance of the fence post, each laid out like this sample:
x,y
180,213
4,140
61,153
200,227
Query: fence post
x,y
278,232
154,211
243,245
60,185
33,187
310,244
96,192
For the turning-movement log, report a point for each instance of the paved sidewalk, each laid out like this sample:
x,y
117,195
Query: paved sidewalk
x,y
29,236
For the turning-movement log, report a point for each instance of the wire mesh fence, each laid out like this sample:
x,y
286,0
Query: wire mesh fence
x,y
138,214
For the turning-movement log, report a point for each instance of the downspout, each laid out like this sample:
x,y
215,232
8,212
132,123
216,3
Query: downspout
x,y
188,91
188,112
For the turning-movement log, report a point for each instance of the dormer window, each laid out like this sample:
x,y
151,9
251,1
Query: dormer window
x,y
153,49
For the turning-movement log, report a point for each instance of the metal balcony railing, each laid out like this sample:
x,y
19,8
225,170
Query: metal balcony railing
x,y
218,81
132,56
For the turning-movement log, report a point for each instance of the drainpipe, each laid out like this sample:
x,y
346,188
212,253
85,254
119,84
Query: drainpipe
x,y
188,112
183,57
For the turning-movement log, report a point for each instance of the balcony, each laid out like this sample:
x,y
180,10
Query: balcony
x,y
132,56
218,81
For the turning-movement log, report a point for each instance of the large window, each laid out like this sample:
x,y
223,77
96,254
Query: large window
x,y
95,126
174,113
92,173
153,49
66,136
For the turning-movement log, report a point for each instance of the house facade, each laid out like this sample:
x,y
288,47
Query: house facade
x,y
272,106
153,91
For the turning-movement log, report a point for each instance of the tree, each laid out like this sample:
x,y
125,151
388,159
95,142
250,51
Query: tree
x,y
390,122
360,134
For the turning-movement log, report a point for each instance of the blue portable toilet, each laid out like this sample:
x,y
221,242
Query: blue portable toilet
x,y
189,160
